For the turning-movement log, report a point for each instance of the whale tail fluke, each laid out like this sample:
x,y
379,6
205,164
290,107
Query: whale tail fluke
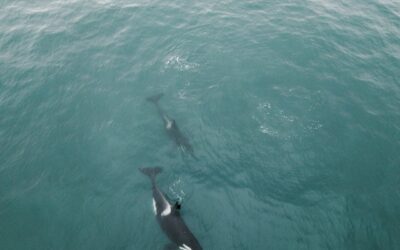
x,y
151,172
154,98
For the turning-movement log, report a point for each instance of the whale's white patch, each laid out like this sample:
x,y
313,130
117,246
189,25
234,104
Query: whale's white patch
x,y
168,121
184,247
166,211
169,124
154,206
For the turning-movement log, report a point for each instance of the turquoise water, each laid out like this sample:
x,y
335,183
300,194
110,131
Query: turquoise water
x,y
292,108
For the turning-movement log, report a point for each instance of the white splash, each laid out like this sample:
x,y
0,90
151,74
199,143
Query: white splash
x,y
264,106
266,130
179,63
182,94
176,189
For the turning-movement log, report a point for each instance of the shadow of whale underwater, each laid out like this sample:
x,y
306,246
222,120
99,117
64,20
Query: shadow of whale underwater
x,y
171,127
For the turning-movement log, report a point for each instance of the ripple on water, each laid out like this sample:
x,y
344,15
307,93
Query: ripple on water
x,y
179,63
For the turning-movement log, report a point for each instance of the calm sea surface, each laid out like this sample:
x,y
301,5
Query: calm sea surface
x,y
292,108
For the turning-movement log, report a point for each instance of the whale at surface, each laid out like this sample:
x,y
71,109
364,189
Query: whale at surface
x,y
171,127
169,218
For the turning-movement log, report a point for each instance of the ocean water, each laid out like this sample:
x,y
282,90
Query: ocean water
x,y
292,108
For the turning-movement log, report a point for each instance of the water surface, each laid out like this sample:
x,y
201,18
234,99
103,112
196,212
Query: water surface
x,y
292,108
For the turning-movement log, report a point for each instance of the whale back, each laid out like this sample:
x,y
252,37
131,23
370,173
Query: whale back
x,y
177,231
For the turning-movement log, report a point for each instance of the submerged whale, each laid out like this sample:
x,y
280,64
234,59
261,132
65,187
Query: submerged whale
x,y
169,218
171,127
